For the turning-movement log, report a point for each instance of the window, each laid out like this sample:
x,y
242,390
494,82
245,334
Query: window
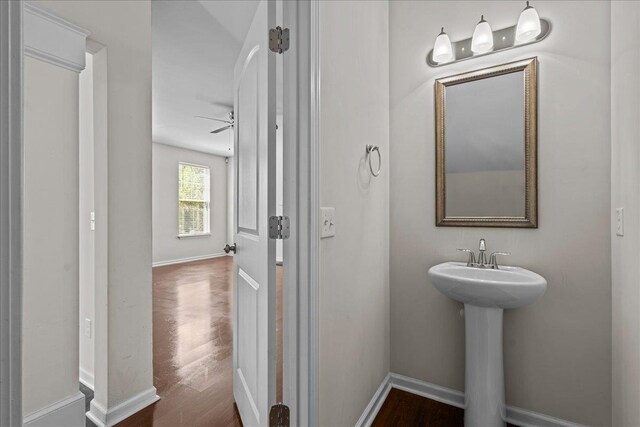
x,y
193,200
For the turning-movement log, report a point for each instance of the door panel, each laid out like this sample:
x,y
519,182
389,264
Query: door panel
x,y
248,139
254,299
248,339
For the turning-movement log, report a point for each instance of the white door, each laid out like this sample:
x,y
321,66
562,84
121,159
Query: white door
x,y
254,298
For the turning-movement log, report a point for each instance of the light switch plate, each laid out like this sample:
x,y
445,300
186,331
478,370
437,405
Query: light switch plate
x,y
620,222
327,222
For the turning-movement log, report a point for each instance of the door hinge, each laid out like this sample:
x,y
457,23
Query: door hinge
x,y
279,227
279,415
279,39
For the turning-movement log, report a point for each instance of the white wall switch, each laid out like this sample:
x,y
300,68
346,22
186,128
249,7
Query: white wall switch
x,y
87,328
327,222
620,221
92,220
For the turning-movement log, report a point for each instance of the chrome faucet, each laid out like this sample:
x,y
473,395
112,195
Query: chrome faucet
x,y
482,257
471,261
493,260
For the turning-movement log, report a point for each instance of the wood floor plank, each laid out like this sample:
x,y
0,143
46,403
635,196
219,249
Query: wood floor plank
x,y
192,346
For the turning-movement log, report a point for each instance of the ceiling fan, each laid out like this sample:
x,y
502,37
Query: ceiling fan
x,y
229,123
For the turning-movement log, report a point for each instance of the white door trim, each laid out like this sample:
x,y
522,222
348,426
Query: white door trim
x,y
302,206
11,165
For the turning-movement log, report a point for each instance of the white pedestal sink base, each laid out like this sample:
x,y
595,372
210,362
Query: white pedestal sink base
x,y
484,375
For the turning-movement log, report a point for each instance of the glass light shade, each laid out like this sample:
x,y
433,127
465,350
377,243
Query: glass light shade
x,y
442,51
482,40
528,24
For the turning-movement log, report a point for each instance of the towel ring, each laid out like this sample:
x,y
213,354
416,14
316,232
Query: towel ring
x,y
371,149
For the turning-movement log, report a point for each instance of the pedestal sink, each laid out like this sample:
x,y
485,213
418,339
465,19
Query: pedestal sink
x,y
485,293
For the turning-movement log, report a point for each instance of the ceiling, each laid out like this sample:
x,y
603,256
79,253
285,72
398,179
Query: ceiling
x,y
195,46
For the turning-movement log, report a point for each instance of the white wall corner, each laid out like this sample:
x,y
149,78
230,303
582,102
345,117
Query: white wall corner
x,y
102,417
451,397
86,378
372,409
52,39
68,412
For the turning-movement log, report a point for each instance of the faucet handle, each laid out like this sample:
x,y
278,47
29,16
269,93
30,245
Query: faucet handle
x,y
493,260
472,257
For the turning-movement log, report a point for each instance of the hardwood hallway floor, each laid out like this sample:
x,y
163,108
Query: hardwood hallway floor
x,y
192,346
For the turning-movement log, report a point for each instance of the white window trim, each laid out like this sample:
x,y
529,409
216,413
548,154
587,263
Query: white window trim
x,y
188,236
204,233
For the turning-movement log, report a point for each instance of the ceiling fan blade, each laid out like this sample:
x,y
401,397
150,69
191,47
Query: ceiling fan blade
x,y
221,129
211,118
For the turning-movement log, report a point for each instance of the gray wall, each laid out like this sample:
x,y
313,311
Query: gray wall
x,y
50,319
557,352
625,175
166,245
123,358
354,282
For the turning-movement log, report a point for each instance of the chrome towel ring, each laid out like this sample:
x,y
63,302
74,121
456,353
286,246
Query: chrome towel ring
x,y
371,149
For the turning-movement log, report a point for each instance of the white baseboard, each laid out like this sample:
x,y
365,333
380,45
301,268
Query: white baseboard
x,y
189,259
525,418
370,412
86,378
68,412
428,390
517,416
107,418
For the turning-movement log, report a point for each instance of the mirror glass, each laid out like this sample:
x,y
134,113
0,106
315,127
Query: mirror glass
x,y
484,150
486,147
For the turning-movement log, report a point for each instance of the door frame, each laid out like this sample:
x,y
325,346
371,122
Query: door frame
x,y
301,193
301,204
11,167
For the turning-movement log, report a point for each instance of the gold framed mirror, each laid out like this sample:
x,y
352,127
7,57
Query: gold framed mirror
x,y
486,147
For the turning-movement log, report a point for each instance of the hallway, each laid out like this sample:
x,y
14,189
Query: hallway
x,y
192,345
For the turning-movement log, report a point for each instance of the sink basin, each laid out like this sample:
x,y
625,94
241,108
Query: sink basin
x,y
485,294
508,287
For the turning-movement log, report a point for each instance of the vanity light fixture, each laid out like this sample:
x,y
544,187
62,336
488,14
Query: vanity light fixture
x,y
485,41
528,24
442,51
482,40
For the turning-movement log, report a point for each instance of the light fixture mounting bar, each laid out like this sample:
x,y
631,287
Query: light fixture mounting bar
x,y
503,39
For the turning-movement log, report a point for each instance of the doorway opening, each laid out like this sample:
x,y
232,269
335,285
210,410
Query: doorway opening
x,y
196,46
86,230
93,173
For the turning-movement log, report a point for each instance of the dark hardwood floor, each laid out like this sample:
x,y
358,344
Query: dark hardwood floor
x,y
192,346
402,409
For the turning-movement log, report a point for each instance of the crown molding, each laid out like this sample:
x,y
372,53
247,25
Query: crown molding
x,y
54,40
